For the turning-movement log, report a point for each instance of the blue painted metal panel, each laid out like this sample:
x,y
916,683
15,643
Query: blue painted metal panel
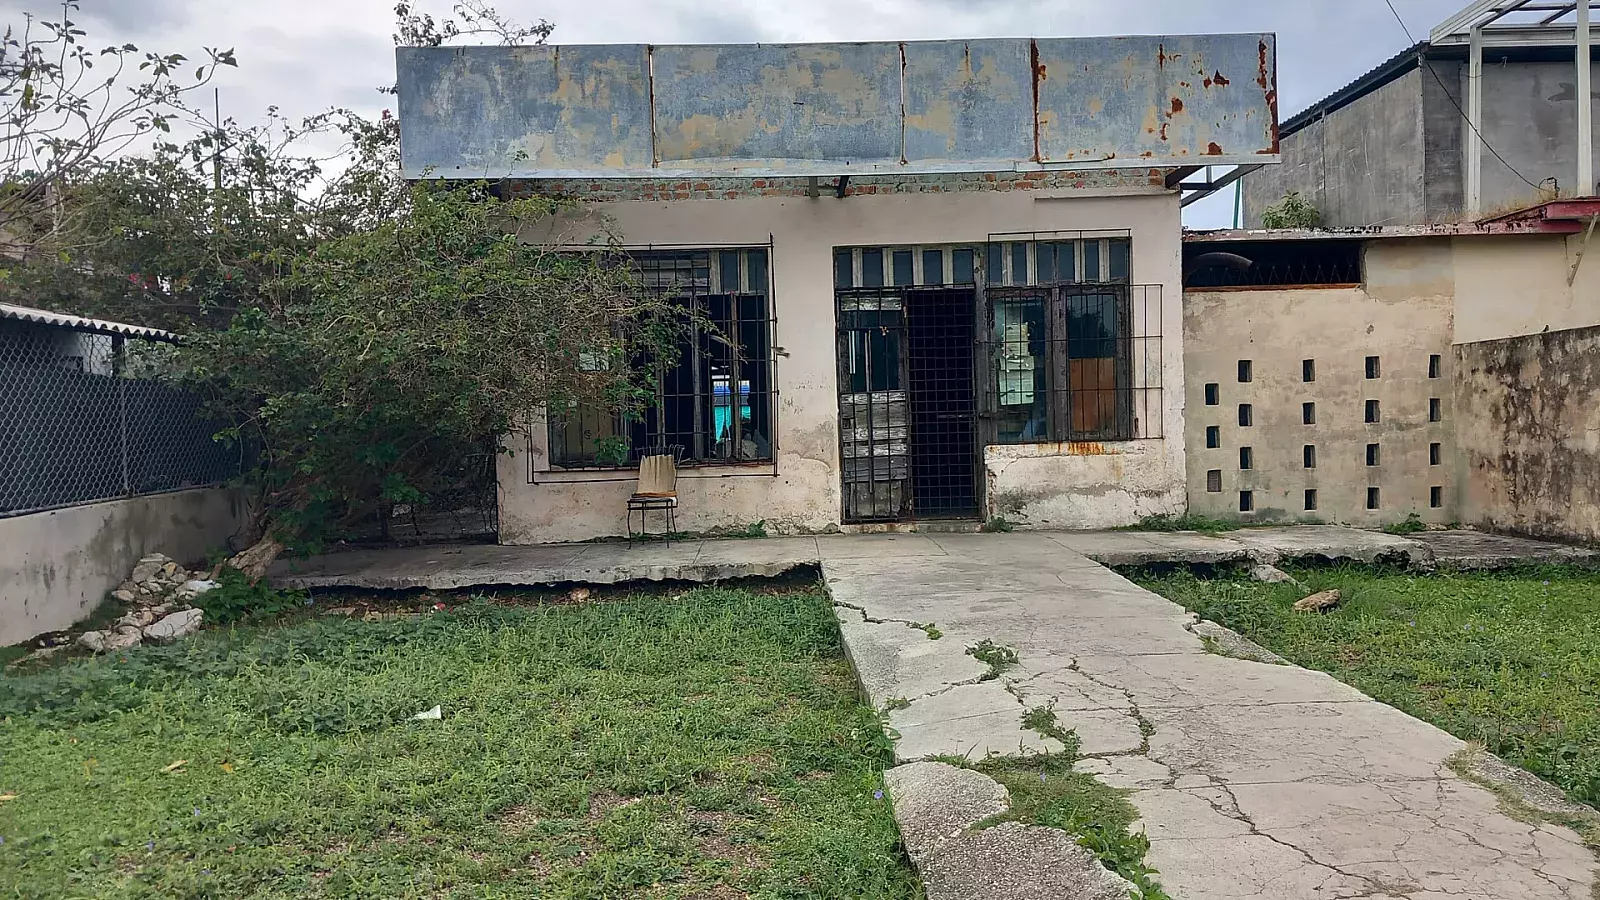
x,y
769,104
496,112
968,100
1156,98
833,109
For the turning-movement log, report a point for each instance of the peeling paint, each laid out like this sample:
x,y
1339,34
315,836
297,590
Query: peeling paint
x,y
801,109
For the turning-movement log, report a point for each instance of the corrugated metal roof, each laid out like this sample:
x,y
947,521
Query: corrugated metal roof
x,y
79,323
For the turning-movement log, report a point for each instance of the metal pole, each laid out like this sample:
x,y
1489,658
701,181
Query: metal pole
x,y
1585,106
1475,125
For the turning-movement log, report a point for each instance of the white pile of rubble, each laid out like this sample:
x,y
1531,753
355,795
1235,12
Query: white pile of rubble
x,y
161,592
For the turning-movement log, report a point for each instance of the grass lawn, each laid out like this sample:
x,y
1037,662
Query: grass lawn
x,y
1511,660
708,745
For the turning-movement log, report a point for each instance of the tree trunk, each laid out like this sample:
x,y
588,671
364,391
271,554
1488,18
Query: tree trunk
x,y
255,561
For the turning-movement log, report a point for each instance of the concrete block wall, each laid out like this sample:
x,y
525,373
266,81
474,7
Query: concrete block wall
x,y
1402,318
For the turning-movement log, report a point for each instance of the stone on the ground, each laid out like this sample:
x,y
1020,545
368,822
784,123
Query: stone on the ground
x,y
93,640
1271,575
122,639
179,624
1319,602
145,572
138,618
123,596
197,586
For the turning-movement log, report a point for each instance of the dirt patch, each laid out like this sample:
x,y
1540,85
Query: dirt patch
x,y
601,804
517,819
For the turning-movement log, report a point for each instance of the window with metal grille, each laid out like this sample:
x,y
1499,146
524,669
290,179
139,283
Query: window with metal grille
x,y
713,403
1075,362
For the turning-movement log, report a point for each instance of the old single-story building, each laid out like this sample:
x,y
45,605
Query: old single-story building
x,y
947,275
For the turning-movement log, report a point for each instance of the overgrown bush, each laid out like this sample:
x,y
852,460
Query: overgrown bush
x,y
1293,211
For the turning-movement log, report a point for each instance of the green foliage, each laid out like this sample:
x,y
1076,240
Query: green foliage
x,y
368,335
706,745
1293,211
236,599
999,525
931,629
613,450
998,658
68,103
1412,524
753,531
1165,522
1043,720
1511,660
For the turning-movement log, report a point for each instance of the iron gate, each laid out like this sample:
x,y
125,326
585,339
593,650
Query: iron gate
x,y
874,407
908,404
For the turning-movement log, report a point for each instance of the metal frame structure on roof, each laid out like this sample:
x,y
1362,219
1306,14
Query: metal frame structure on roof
x,y
1521,23
1512,23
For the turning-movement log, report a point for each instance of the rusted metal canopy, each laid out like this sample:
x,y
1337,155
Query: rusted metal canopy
x,y
631,111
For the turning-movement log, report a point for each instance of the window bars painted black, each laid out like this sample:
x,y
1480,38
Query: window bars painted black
x,y
84,417
716,399
1076,362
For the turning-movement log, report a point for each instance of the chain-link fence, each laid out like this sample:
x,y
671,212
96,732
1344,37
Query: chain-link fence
x,y
83,417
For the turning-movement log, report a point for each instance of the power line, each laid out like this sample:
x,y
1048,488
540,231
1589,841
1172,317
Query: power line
x,y
1422,57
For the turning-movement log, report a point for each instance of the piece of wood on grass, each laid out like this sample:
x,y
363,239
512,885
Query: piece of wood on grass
x,y
1321,602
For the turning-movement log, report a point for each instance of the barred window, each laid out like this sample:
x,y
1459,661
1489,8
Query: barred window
x,y
713,405
1064,364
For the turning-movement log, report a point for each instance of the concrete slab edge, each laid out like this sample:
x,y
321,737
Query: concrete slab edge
x,y
946,814
546,577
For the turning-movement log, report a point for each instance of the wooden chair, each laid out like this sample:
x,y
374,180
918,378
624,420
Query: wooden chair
x,y
658,489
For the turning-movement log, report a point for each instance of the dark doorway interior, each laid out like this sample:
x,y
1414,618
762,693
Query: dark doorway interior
x,y
941,348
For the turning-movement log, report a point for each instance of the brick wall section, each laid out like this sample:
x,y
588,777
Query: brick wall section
x,y
743,188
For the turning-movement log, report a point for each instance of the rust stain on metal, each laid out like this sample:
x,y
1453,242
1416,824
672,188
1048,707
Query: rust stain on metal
x,y
1163,131
1213,149
1271,93
1084,448
1161,56
1038,75
1218,80
1177,105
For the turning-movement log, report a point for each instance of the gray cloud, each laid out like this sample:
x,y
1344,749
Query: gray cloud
x,y
136,18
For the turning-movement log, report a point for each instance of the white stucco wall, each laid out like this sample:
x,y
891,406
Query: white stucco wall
x,y
1056,485
1517,285
57,566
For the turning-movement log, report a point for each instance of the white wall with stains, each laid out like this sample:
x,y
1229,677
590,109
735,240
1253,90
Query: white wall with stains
x,y
1081,486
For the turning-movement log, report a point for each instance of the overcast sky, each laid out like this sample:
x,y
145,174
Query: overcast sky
x,y
306,55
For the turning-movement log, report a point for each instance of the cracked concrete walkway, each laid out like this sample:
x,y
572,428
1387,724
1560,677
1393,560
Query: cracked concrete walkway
x,y
1254,781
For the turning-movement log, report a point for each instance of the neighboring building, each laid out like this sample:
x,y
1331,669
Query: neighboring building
x,y
947,273
1363,375
1398,146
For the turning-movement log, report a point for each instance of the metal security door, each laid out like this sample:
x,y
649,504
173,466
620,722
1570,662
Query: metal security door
x,y
942,354
874,407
